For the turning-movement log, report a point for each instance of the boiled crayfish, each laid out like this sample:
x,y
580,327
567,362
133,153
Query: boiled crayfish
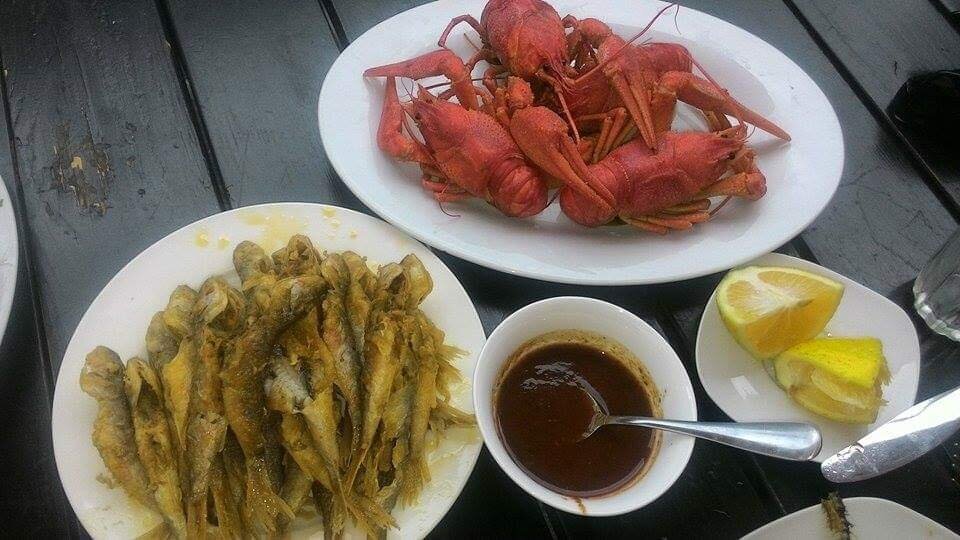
x,y
551,80
657,190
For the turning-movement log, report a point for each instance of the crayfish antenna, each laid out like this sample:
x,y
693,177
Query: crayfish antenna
x,y
629,41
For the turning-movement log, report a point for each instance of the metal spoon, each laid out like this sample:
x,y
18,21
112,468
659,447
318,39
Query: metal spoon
x,y
785,440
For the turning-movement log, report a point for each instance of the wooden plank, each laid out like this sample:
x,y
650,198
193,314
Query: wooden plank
x,y
34,502
261,112
492,506
108,158
881,47
357,17
885,45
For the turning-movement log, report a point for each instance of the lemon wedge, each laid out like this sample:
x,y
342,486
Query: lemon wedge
x,y
768,309
839,378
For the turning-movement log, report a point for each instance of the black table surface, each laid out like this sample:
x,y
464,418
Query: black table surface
x,y
179,109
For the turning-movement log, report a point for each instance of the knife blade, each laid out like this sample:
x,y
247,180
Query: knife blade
x,y
906,437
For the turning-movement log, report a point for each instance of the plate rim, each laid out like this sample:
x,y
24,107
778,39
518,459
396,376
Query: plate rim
x,y
8,222
711,301
464,252
472,450
847,500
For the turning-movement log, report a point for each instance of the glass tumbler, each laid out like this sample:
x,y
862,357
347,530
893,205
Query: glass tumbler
x,y
937,290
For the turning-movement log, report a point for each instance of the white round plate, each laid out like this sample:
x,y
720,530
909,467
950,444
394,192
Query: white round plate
x,y
747,393
870,518
801,175
8,256
119,316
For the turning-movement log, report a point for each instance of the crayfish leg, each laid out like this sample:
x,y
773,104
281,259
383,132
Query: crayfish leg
x,y
391,137
440,62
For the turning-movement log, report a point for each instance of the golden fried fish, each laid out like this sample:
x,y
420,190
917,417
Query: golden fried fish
x,y
178,315
257,276
243,393
113,432
154,444
298,258
344,360
162,345
379,369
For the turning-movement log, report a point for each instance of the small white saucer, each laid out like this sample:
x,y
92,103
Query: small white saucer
x,y
744,390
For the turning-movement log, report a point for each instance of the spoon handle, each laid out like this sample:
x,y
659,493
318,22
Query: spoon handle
x,y
785,440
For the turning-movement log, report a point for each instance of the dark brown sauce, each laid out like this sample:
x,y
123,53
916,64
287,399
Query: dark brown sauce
x,y
542,413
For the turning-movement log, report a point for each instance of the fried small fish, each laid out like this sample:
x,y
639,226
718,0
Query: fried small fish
x,y
161,344
344,360
298,258
178,315
357,299
177,377
229,524
420,282
154,444
306,436
391,290
220,311
302,339
113,431
379,369
243,392
220,307
257,276
416,470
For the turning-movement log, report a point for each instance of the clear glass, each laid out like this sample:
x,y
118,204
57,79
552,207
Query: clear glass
x,y
937,290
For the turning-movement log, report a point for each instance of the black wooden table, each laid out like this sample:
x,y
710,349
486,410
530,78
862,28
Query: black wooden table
x,y
179,109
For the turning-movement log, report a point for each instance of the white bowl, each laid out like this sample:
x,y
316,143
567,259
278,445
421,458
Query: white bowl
x,y
668,374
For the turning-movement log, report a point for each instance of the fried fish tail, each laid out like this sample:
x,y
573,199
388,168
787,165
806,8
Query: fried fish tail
x,y
113,431
370,516
206,435
265,504
296,488
154,445
446,415
229,523
235,476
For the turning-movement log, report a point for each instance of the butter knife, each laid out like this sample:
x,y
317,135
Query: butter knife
x,y
910,434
